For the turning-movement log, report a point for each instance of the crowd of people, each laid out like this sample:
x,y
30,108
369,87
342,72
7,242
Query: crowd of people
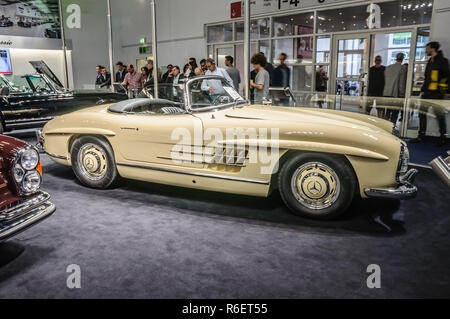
x,y
263,76
391,81
384,81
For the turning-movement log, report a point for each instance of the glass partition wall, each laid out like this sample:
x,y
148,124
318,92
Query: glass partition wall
x,y
331,50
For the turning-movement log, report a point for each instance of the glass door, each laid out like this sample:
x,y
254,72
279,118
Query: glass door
x,y
221,52
350,74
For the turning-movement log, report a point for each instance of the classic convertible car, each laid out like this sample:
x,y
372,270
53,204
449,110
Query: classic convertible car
x,y
30,101
204,135
22,204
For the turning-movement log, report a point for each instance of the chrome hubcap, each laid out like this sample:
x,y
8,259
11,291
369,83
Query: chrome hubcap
x,y
315,185
93,162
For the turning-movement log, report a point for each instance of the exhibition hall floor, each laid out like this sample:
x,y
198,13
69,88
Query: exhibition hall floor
x,y
150,241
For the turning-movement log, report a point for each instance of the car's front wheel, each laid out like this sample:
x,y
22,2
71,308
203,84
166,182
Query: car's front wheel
x,y
319,186
93,162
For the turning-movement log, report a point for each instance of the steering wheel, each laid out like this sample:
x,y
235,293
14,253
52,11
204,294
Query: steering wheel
x,y
221,100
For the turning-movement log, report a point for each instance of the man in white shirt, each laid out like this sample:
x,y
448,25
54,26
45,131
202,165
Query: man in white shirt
x,y
214,86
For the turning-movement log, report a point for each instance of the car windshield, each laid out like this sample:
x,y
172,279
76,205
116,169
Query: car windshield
x,y
28,84
4,82
19,84
171,92
40,86
209,92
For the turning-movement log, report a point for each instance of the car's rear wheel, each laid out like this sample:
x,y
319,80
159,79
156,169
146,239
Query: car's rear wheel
x,y
93,162
319,186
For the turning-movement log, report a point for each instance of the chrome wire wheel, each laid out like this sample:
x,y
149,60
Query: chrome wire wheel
x,y
92,161
315,186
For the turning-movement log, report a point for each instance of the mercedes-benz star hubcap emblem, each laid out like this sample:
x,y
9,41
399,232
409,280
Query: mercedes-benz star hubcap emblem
x,y
315,188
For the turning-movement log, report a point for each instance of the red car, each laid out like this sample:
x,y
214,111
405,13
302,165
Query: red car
x,y
22,203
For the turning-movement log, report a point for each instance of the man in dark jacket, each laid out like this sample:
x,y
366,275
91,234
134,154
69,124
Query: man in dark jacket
x,y
121,72
376,78
98,79
435,87
282,74
166,75
377,81
282,77
175,76
105,79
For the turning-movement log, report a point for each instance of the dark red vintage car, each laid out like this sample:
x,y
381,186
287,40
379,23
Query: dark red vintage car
x,y
22,203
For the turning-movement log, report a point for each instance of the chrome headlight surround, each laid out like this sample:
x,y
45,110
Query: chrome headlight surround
x,y
31,182
29,158
26,171
403,164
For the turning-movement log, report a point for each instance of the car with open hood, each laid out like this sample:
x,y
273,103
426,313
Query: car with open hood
x,y
30,101
22,203
204,135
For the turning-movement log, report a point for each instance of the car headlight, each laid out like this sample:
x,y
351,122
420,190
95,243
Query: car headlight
x,y
29,159
27,171
31,182
18,173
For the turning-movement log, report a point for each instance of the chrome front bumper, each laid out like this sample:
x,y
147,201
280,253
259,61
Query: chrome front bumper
x,y
24,214
405,190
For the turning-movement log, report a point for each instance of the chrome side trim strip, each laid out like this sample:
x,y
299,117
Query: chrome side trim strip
x,y
165,170
200,162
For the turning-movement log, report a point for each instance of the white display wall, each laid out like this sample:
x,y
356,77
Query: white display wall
x,y
53,58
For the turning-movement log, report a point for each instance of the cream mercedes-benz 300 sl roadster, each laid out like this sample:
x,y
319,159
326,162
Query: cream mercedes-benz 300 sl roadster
x,y
204,135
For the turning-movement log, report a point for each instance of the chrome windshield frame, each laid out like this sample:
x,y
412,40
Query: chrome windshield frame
x,y
188,99
8,84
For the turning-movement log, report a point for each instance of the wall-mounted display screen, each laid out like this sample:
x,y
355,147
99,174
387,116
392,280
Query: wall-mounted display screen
x,y
5,62
30,18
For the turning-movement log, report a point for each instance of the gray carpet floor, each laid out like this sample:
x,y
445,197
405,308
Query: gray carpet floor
x,y
151,241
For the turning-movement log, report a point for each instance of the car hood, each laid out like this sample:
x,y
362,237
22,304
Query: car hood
x,y
309,129
313,116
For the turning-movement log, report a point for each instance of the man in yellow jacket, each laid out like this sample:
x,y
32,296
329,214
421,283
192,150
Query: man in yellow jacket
x,y
435,87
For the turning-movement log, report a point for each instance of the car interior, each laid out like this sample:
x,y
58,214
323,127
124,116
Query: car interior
x,y
149,107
